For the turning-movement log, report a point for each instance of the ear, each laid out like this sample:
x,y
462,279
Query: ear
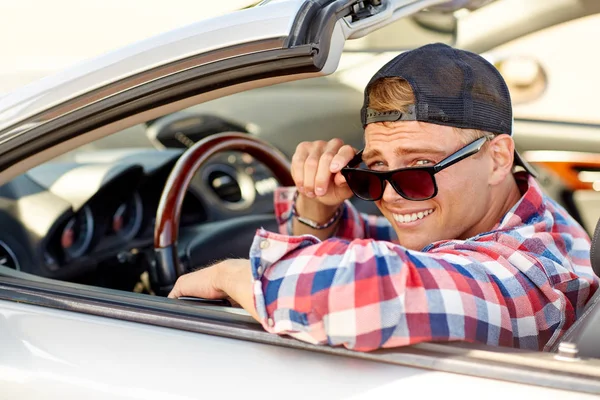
x,y
502,150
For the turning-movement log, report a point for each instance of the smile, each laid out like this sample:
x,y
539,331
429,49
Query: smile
x,y
405,218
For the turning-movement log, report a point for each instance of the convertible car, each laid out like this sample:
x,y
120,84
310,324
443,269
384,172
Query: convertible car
x,y
125,172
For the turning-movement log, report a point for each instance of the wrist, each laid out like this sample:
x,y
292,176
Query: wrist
x,y
234,280
314,210
220,278
229,273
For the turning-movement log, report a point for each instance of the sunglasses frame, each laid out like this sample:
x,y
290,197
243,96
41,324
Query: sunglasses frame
x,y
386,176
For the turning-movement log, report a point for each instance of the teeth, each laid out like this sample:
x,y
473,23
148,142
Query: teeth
x,y
403,218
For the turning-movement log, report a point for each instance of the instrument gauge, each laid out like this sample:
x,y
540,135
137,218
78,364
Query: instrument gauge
x,y
127,219
76,236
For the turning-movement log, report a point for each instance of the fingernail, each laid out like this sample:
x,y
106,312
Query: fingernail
x,y
319,191
310,194
335,166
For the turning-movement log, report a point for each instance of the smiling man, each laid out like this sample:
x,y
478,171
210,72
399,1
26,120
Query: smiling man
x,y
468,248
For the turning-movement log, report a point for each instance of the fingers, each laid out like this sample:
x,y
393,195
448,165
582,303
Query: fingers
x,y
197,284
323,175
315,164
184,286
311,164
342,158
176,291
298,159
339,180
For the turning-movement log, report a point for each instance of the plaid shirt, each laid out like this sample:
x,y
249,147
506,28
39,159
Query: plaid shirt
x,y
521,284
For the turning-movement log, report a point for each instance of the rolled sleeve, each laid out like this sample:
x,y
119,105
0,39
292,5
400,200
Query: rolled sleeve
x,y
268,248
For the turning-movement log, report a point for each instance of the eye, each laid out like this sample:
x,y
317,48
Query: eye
x,y
376,165
423,162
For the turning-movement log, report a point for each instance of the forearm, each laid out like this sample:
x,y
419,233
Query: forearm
x,y
335,291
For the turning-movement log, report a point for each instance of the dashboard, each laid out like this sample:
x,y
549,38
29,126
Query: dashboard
x,y
89,216
68,219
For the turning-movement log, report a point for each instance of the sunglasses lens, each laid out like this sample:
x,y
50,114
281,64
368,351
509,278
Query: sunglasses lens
x,y
365,185
414,185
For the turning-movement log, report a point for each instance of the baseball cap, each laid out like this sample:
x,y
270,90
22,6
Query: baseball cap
x,y
452,87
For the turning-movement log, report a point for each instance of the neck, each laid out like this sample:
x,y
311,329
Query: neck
x,y
509,194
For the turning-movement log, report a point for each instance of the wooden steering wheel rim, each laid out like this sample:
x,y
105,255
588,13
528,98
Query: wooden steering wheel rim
x,y
166,230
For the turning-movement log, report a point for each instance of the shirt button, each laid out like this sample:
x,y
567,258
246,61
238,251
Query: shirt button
x,y
270,322
264,244
260,269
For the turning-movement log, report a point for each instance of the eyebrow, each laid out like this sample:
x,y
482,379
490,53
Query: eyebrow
x,y
404,151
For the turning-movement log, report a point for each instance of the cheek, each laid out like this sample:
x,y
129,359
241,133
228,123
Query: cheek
x,y
460,188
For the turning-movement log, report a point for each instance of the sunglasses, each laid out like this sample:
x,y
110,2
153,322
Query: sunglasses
x,y
413,183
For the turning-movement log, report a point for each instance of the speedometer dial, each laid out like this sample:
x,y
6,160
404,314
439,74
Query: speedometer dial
x,y
127,220
77,234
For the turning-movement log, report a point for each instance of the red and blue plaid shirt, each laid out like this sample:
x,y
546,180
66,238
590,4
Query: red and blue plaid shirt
x,y
520,285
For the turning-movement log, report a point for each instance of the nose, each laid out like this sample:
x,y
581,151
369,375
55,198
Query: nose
x,y
390,195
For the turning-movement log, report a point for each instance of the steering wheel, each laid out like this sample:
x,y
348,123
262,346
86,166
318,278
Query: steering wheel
x,y
168,266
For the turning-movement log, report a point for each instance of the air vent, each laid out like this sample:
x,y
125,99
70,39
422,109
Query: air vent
x,y
225,186
7,257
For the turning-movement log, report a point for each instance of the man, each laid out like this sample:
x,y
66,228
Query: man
x,y
467,250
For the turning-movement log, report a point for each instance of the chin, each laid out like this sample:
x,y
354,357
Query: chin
x,y
410,242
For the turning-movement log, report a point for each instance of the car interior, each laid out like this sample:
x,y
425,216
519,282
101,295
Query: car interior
x,y
88,216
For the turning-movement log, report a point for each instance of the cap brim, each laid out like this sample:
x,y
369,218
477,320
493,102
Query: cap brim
x,y
521,162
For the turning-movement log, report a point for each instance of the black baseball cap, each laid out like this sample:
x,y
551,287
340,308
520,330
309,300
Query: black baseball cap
x,y
452,87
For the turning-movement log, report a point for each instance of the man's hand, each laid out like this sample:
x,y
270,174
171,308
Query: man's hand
x,y
229,278
316,170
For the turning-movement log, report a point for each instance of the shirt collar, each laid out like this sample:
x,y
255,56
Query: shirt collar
x,y
531,205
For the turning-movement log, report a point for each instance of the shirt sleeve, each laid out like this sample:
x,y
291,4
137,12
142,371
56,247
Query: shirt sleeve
x,y
352,225
366,294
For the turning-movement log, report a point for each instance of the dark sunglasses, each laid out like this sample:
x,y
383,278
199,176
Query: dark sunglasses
x,y
413,183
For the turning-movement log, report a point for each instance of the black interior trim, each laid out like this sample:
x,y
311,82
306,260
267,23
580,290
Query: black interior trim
x,y
111,303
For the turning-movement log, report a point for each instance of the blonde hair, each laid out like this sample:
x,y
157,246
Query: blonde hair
x,y
387,94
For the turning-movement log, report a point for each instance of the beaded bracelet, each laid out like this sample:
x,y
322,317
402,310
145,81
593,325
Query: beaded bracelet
x,y
310,222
